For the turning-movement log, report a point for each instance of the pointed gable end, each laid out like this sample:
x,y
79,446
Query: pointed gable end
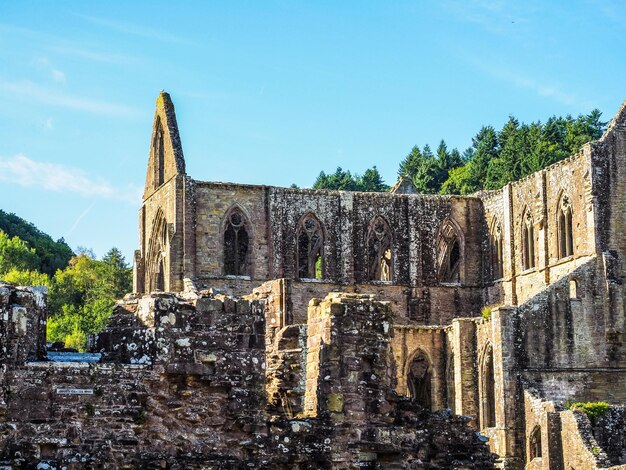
x,y
166,152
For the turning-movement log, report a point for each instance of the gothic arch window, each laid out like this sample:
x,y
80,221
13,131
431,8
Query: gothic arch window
x,y
379,250
236,243
487,390
564,227
419,380
449,253
157,252
528,240
497,261
159,155
310,248
535,443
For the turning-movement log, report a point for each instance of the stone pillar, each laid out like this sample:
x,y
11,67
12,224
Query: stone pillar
x,y
348,352
463,338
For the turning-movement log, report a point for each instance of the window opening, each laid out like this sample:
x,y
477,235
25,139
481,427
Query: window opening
x,y
310,239
380,255
235,245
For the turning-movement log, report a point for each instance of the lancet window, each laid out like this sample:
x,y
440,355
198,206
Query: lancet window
x,y
449,254
497,262
528,240
535,443
379,249
159,155
487,392
564,225
419,379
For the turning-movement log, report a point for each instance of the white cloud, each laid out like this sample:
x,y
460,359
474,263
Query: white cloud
x,y
48,124
29,173
30,91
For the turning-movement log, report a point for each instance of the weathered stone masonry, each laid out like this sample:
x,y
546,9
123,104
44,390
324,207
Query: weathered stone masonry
x,y
543,254
328,329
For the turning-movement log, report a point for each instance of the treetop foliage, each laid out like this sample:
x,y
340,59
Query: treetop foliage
x,y
494,158
370,181
50,255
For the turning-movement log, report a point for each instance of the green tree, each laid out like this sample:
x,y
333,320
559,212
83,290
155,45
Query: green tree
x,y
485,145
371,181
82,296
459,181
16,254
51,255
26,278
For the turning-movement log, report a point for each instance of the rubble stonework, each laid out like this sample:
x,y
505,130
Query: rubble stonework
x,y
193,396
332,329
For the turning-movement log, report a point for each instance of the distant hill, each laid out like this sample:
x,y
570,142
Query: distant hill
x,y
52,254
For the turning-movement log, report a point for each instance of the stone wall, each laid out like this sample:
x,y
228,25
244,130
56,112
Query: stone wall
x,y
188,382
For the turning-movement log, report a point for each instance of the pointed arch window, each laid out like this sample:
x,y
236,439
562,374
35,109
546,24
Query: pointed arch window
x,y
310,239
497,261
236,242
535,443
158,248
419,380
528,240
449,256
159,155
564,224
487,390
379,250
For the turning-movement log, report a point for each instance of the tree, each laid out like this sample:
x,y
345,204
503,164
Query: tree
x,y
82,296
15,254
371,181
341,180
51,255
459,181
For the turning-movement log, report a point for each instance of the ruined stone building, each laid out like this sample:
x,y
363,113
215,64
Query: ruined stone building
x,y
296,328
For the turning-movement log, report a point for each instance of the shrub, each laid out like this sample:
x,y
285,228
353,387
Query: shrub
x,y
593,410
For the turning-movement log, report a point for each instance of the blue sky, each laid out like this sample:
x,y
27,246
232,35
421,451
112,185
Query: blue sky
x,y
273,92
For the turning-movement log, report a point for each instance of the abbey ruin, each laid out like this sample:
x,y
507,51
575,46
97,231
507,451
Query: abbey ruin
x,y
296,328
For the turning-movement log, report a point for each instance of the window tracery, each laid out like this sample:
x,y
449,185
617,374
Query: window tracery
x,y
236,243
310,239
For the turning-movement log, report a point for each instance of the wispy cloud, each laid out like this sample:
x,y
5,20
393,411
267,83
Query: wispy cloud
x,y
543,87
89,54
136,30
28,173
44,64
30,91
